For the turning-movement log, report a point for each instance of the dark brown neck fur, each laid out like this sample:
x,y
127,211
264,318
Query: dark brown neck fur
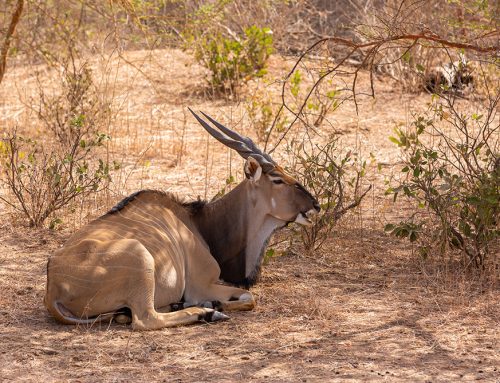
x,y
225,232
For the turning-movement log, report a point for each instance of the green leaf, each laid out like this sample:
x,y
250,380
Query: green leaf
x,y
268,255
54,223
389,227
406,57
476,116
295,81
331,94
395,140
413,236
402,233
473,200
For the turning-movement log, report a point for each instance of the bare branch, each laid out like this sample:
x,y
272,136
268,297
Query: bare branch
x,y
370,49
16,16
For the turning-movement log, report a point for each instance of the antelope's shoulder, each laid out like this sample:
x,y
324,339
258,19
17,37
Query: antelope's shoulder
x,y
157,198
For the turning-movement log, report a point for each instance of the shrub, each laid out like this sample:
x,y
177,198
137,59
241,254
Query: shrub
x,y
43,177
451,170
334,178
232,60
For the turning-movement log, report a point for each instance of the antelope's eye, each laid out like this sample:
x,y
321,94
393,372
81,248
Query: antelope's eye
x,y
277,182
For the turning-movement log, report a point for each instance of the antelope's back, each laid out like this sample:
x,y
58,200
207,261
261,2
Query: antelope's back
x,y
153,218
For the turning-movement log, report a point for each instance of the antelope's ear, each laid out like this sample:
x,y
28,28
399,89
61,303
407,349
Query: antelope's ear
x,y
253,170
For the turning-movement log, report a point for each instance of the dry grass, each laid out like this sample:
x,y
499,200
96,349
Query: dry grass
x,y
363,309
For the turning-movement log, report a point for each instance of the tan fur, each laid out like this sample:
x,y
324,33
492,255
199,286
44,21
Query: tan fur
x,y
143,257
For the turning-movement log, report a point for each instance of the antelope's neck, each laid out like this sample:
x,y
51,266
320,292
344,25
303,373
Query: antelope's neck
x,y
259,233
237,229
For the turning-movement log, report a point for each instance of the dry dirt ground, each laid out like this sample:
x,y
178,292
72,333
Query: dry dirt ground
x,y
364,308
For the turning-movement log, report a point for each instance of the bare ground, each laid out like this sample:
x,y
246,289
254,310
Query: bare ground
x,y
363,309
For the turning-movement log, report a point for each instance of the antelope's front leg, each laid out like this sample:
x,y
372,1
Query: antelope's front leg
x,y
243,302
220,297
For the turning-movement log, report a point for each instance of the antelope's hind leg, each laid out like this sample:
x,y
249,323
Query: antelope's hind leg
x,y
95,277
146,317
140,291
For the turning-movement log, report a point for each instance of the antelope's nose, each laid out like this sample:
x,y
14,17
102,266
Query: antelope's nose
x,y
316,205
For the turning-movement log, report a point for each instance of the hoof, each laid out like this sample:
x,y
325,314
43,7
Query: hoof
x,y
215,316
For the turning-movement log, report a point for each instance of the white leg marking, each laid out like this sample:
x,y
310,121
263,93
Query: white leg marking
x,y
245,297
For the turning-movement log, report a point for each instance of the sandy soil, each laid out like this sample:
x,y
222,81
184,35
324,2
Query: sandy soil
x,y
364,308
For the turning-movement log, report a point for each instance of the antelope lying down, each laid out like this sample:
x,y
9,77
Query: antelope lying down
x,y
152,251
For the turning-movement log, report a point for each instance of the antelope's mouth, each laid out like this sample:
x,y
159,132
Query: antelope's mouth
x,y
305,219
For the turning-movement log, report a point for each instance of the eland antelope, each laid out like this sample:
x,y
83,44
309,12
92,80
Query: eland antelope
x,y
152,251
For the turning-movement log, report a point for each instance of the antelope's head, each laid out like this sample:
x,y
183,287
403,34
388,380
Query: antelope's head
x,y
273,189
